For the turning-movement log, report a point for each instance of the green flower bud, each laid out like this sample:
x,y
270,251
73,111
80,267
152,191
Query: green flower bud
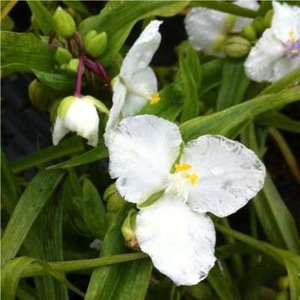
x,y
113,198
229,22
73,65
64,24
282,295
38,95
64,106
259,25
128,229
62,56
95,44
237,47
268,18
249,33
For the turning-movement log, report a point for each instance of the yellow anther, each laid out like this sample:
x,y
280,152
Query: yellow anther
x,y
182,167
294,51
154,98
194,178
292,36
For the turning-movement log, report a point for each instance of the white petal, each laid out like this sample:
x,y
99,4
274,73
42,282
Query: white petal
x,y
142,51
285,65
241,22
229,174
259,65
179,241
115,114
142,152
82,118
59,130
144,85
286,19
203,27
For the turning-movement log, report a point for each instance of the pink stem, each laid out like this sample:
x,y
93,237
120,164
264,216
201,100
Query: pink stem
x,y
80,72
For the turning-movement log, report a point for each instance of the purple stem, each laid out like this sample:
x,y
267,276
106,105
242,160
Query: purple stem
x,y
80,72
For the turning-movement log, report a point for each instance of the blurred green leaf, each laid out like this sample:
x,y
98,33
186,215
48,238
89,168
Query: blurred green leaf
x,y
27,210
234,84
124,15
41,15
233,118
190,74
93,210
119,282
65,148
98,153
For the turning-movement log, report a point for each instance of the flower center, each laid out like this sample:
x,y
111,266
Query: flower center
x,y
184,170
154,98
293,46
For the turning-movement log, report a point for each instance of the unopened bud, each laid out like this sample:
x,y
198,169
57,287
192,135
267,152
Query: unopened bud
x,y
282,295
249,33
73,65
113,198
128,229
95,43
229,22
218,42
237,47
37,95
268,18
64,23
62,56
283,282
259,25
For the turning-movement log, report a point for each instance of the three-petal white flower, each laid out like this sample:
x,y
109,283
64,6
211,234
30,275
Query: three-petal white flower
x,y
78,115
277,52
207,28
209,174
136,84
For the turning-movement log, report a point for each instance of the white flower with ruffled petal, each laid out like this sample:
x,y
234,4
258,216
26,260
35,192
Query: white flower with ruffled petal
x,y
207,28
78,115
136,84
277,52
209,174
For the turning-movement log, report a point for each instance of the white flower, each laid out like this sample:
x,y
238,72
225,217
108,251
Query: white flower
x,y
136,84
207,28
209,174
78,115
277,52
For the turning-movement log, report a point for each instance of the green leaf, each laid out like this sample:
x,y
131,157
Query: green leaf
x,y
293,269
95,154
234,84
279,120
65,148
24,51
124,15
119,282
226,7
93,211
42,16
190,73
232,119
27,210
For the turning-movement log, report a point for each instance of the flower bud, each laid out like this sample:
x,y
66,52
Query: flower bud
x,y
62,56
128,229
249,33
37,95
217,44
283,282
78,115
113,198
64,24
73,65
237,47
259,25
229,22
282,295
268,18
95,43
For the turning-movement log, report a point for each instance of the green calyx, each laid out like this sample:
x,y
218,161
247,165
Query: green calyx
x,y
64,24
38,95
229,22
249,33
99,105
95,43
237,47
64,106
128,229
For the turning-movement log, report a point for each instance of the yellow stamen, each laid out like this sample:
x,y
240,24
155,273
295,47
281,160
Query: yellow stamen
x,y
292,36
193,178
294,51
154,98
182,167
